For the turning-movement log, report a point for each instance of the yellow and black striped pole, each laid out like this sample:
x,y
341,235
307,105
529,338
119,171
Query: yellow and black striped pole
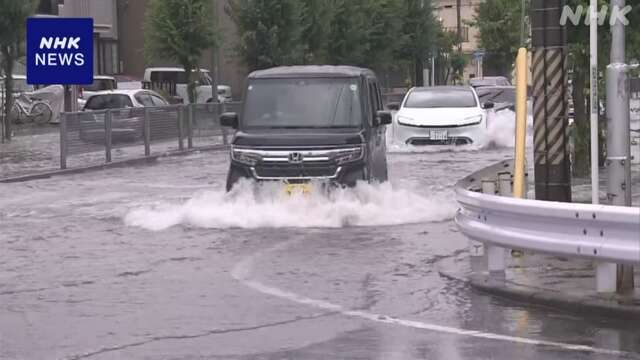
x,y
550,115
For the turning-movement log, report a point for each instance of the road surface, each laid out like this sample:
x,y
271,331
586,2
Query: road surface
x,y
156,262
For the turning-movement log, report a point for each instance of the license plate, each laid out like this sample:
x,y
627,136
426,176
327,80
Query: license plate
x,y
291,189
438,135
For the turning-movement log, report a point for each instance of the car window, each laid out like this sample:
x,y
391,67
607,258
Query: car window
x,y
158,101
441,98
144,99
108,101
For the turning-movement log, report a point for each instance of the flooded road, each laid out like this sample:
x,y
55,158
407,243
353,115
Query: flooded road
x,y
157,262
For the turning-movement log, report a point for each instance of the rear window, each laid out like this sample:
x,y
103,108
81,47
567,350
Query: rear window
x,y
441,98
108,101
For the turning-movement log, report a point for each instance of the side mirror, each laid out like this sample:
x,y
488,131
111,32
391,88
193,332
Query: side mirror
x,y
488,105
229,119
383,118
394,106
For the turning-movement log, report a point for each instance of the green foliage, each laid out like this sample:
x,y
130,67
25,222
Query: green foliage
x,y
12,33
271,31
578,39
378,34
179,30
499,23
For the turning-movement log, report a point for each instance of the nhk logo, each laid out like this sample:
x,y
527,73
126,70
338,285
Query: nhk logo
x,y
55,59
59,51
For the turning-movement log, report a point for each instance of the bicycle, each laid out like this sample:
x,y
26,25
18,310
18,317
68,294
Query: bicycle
x,y
26,109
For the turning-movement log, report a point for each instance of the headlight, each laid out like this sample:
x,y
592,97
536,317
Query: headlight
x,y
403,120
472,120
245,156
348,155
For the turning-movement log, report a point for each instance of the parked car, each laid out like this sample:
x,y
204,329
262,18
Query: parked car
x,y
309,123
489,81
441,115
504,97
127,114
173,80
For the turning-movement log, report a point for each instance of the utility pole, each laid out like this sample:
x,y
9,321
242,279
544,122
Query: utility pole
x,y
618,132
215,56
459,23
550,120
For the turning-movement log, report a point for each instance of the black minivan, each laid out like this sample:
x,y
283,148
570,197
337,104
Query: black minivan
x,y
305,123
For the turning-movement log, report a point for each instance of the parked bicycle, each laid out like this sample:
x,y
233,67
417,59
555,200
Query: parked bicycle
x,y
27,109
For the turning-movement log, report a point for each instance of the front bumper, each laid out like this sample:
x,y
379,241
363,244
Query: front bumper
x,y
453,135
344,175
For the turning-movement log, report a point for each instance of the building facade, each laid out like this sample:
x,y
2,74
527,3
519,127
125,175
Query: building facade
x,y
447,14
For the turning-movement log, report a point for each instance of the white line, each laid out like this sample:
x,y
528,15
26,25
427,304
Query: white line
x,y
242,270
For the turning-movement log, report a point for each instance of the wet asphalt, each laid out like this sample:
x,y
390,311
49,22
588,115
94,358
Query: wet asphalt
x,y
79,281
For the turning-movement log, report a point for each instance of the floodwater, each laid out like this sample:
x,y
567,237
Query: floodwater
x,y
158,262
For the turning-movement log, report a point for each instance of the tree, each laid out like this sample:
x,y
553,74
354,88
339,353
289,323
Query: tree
x,y
578,42
180,30
419,35
499,23
270,31
12,30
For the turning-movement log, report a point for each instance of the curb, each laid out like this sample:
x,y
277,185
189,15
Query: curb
x,y
114,164
592,305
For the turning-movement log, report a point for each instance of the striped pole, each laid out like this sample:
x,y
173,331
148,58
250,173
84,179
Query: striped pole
x,y
550,118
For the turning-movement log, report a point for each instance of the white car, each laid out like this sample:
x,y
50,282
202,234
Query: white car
x,y
120,99
173,81
441,115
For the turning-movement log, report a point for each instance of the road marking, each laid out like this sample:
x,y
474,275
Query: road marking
x,y
243,269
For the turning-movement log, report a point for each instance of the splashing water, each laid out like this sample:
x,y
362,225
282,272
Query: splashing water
x,y
267,205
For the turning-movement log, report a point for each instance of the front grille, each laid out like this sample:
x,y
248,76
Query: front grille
x,y
453,126
449,141
286,170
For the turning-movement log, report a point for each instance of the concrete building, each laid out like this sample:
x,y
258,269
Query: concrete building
x,y
446,12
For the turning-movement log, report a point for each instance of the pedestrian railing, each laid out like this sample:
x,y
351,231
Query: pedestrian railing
x,y
118,134
494,222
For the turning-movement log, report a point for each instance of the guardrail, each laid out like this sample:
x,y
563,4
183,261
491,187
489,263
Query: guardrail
x,y
117,134
599,232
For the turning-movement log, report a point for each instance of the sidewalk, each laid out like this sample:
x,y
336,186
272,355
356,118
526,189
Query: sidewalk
x,y
566,284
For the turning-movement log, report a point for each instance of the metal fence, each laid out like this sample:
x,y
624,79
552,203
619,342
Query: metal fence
x,y
120,134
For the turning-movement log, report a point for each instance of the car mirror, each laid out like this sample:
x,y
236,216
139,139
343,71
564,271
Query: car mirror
x,y
394,106
383,118
488,105
229,119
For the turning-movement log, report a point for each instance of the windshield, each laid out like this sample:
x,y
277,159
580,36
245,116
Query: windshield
x,y
497,95
303,103
441,98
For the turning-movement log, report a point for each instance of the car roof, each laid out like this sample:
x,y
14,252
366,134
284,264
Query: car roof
x,y
442,87
311,71
126,92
